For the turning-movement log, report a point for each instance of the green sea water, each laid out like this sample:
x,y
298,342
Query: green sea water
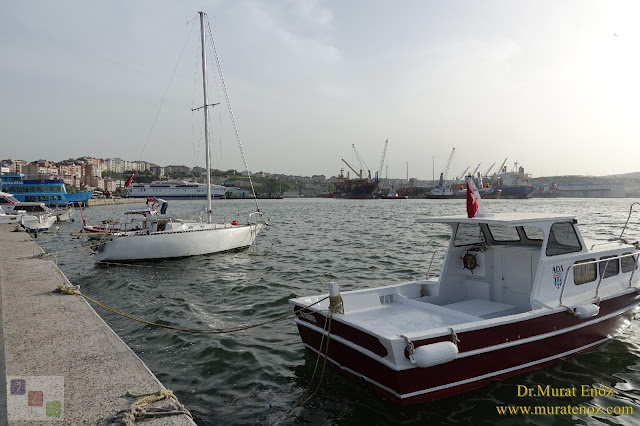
x,y
259,376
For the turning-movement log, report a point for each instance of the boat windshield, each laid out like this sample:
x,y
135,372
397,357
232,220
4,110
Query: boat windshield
x,y
472,234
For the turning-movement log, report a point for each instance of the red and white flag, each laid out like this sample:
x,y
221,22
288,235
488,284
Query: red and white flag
x,y
128,182
472,202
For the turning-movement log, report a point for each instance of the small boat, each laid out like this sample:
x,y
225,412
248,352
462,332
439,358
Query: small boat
x,y
139,218
10,205
516,292
31,223
393,195
52,192
164,237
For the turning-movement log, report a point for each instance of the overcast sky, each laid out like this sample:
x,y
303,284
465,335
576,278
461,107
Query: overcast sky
x,y
553,85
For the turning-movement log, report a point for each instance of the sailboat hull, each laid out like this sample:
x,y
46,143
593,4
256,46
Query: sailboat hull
x,y
192,240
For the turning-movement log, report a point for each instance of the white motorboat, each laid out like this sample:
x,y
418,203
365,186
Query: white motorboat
x,y
165,237
31,223
11,205
516,292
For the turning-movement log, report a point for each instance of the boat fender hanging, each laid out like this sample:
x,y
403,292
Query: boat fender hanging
x,y
586,311
435,354
234,222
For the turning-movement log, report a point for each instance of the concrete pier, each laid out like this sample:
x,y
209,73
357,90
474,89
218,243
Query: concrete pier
x,y
61,362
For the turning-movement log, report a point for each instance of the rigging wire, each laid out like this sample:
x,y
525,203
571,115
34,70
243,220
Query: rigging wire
x,y
164,97
233,119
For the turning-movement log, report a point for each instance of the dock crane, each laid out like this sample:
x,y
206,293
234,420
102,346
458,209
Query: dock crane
x,y
463,172
443,175
363,165
488,170
359,174
502,166
476,169
384,152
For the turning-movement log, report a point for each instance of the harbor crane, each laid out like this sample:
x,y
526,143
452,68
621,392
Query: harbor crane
x,y
443,175
500,170
384,152
363,165
359,174
464,171
488,170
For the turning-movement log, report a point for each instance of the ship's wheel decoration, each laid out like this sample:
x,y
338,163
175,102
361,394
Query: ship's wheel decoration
x,y
469,261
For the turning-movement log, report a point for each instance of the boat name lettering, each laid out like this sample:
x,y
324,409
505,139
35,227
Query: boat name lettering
x,y
558,272
308,316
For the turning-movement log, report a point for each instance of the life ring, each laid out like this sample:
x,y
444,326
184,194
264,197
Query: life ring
x,y
469,261
41,181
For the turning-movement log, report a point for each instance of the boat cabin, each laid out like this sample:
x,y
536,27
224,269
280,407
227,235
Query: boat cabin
x,y
510,263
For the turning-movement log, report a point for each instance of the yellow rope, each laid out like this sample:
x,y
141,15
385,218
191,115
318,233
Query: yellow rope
x,y
147,399
75,291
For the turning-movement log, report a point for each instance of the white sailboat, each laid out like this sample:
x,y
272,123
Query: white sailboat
x,y
163,237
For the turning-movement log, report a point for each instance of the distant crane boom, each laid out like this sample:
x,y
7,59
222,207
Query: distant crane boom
x,y
363,165
503,163
443,175
351,167
489,170
464,171
384,152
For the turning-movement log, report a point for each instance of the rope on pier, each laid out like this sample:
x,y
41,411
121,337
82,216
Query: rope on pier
x,y
75,290
140,410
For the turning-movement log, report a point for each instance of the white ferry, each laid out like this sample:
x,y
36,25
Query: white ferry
x,y
175,190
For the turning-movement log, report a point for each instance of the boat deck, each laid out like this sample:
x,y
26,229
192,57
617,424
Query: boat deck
x,y
406,316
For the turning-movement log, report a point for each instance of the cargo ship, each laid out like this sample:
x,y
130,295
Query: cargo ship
x,y
516,184
361,188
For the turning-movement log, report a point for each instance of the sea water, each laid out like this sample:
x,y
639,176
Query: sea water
x,y
260,375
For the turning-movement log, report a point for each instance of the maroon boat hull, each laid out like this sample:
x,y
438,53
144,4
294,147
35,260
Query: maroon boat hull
x,y
526,345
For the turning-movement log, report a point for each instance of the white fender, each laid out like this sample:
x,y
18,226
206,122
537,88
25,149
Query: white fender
x,y
435,353
587,311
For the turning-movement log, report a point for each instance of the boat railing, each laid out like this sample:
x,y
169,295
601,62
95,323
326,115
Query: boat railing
x,y
431,263
602,272
255,217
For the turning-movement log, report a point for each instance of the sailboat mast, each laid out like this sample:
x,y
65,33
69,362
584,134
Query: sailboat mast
x,y
206,119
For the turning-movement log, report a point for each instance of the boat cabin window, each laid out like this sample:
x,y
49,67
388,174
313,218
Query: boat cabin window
x,y
584,272
533,233
504,233
609,266
468,234
629,262
562,239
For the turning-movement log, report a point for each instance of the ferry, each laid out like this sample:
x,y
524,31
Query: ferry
x,y
180,190
51,192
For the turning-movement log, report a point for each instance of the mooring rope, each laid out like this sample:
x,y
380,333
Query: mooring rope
x,y
75,290
337,307
140,410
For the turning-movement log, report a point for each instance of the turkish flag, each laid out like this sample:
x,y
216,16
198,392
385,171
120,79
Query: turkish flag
x,y
128,182
472,202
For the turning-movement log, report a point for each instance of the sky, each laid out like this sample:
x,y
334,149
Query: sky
x,y
550,85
